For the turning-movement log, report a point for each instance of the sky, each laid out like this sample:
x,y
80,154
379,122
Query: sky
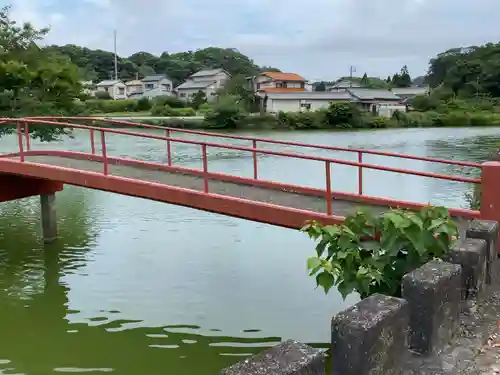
x,y
319,39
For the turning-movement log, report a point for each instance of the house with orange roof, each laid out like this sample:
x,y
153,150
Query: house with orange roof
x,y
274,82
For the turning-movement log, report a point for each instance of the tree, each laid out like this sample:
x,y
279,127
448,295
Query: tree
x,y
237,87
401,79
467,71
33,81
198,99
320,86
364,80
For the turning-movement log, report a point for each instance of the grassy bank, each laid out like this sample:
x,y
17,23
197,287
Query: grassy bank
x,y
318,121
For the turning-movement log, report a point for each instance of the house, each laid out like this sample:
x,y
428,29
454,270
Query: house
x,y
150,94
206,81
134,86
115,88
273,82
298,101
377,101
410,92
156,81
344,84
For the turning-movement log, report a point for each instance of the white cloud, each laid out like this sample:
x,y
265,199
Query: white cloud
x,y
316,38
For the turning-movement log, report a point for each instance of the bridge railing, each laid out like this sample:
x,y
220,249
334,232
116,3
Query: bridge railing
x,y
327,192
256,141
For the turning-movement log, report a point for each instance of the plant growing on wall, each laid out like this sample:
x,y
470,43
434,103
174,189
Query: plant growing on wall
x,y
370,254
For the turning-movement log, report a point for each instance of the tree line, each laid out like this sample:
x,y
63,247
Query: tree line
x,y
98,65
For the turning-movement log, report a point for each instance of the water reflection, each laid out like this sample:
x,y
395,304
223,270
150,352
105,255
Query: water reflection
x,y
40,332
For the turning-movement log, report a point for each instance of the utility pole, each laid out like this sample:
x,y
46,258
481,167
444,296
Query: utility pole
x,y
116,57
352,69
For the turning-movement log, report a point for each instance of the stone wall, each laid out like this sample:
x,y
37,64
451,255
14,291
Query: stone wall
x,y
376,335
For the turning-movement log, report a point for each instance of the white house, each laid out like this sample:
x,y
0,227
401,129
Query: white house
x,y
157,81
115,88
206,81
380,102
302,100
134,86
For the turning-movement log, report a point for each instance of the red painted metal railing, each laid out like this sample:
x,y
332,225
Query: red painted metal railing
x,y
255,140
327,192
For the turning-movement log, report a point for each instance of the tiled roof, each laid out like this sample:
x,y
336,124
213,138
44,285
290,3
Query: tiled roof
x,y
311,95
410,90
283,76
135,82
285,89
207,72
195,85
154,78
373,94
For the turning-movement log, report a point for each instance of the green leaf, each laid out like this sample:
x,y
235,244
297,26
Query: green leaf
x,y
313,262
325,280
345,288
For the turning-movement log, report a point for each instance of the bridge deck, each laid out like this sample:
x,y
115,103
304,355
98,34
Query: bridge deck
x,y
191,181
239,190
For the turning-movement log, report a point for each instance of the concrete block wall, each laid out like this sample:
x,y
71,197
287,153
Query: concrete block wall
x,y
376,335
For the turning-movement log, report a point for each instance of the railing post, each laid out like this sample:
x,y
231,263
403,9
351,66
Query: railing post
x,y
104,152
328,188
169,150
490,188
255,172
360,173
27,136
92,141
205,167
20,141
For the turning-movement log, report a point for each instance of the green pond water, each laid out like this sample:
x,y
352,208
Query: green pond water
x,y
140,287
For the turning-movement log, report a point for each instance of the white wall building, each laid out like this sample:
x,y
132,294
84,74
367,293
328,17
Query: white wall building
x,y
115,88
303,101
207,81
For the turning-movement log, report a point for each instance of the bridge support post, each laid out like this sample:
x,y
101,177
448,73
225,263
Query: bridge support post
x,y
49,219
490,193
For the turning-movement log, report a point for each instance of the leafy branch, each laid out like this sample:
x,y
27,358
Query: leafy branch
x,y
371,254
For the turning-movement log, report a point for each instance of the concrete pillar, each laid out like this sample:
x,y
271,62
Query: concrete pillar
x,y
49,219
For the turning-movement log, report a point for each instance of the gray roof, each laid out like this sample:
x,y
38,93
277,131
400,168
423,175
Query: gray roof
x,y
154,78
405,91
158,91
346,83
195,85
373,94
311,95
207,72
109,82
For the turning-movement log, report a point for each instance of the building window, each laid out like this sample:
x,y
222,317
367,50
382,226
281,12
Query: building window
x,y
279,85
166,87
182,94
121,91
149,86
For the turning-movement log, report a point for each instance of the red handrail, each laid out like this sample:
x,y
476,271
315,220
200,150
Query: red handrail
x,y
261,151
267,140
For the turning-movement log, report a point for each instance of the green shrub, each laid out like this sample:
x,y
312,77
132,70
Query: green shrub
x,y
110,106
204,108
103,95
143,104
370,254
171,101
226,113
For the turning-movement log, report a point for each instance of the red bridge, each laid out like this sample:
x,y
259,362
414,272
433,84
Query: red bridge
x,y
43,172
